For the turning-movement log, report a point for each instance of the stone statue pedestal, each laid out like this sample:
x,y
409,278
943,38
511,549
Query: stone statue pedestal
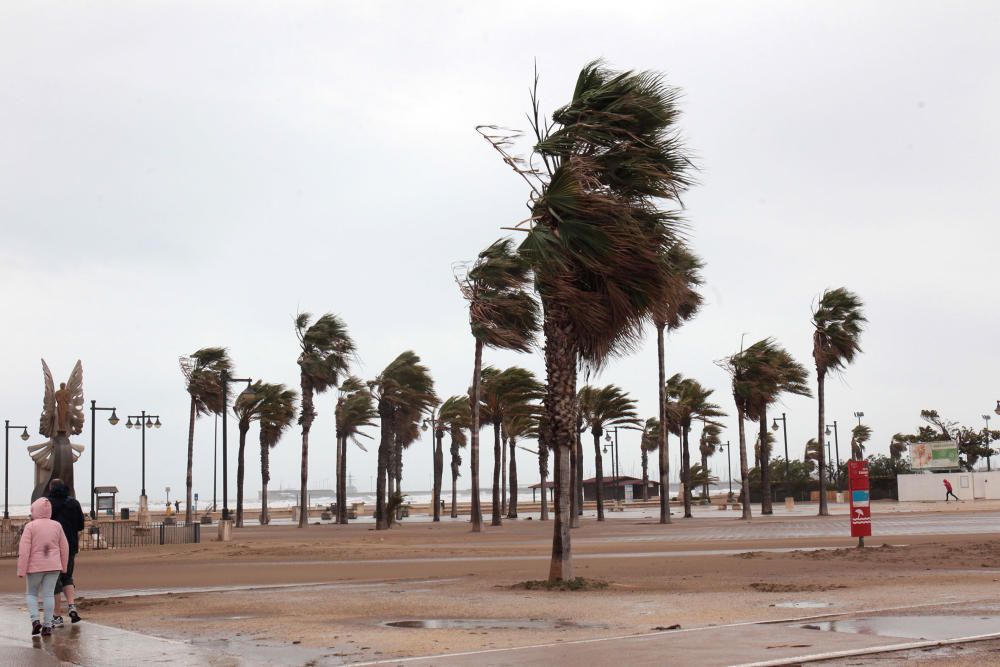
x,y
225,530
144,517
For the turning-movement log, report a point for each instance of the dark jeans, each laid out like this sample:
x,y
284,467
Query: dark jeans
x,y
949,493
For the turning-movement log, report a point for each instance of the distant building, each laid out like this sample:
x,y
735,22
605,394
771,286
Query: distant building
x,y
622,488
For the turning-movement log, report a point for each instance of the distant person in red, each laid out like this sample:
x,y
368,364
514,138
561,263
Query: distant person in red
x,y
948,491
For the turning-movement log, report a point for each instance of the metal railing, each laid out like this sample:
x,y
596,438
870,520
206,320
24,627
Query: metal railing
x,y
118,535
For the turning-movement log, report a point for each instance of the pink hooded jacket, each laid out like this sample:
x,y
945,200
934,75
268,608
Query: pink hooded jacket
x,y
43,546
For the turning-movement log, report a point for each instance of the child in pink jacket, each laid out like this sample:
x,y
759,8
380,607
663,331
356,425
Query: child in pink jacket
x,y
42,555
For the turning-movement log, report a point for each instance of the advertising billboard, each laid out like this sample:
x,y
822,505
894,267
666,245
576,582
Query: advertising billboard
x,y
933,455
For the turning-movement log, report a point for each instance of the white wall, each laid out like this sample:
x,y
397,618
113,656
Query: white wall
x,y
987,485
930,486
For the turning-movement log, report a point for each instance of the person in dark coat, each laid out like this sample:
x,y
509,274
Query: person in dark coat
x,y
67,511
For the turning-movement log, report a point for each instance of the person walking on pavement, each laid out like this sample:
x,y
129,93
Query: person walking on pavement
x,y
948,491
67,511
42,554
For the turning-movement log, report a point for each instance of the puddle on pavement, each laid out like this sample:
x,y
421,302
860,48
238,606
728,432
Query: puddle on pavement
x,y
215,618
913,627
803,604
485,624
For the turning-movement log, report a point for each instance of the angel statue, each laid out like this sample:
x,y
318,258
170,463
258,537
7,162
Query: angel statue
x,y
62,416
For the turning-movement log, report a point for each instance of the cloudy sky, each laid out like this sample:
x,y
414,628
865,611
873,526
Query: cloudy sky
x,y
178,175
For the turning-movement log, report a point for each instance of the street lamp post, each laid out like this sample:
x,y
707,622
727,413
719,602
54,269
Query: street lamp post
x,y
113,419
774,427
986,441
6,463
859,415
615,462
143,421
432,422
836,443
729,462
224,380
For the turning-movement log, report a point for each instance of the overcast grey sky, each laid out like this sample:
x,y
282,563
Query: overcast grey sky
x,y
178,175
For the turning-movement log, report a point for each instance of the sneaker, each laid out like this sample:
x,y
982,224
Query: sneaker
x,y
36,627
46,631
73,616
57,622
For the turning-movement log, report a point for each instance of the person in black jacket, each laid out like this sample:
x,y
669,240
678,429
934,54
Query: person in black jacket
x,y
67,511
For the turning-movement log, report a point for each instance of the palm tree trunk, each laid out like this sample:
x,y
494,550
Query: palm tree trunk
x,y
265,477
342,481
382,521
188,516
474,396
454,476
503,473
664,461
705,491
438,472
645,475
336,462
744,469
598,474
686,471
497,476
579,476
821,400
766,504
307,416
543,465
512,487
240,471
560,404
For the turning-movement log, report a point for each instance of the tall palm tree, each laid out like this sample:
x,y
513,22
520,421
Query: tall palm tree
x,y
860,434
688,400
275,416
506,392
708,444
598,175
812,454
202,378
355,411
651,438
605,407
325,350
246,408
404,390
503,315
456,419
775,373
678,301
837,324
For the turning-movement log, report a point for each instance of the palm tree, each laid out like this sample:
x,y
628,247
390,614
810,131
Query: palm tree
x,y
860,434
812,454
275,416
404,390
601,408
700,475
202,377
520,421
776,372
506,392
740,367
544,440
687,400
247,408
455,417
439,431
837,323
708,444
355,411
503,315
325,349
677,302
650,443
596,237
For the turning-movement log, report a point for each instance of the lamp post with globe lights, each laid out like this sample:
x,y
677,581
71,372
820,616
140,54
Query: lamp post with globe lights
x,y
836,444
143,421
774,427
431,423
986,440
6,464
